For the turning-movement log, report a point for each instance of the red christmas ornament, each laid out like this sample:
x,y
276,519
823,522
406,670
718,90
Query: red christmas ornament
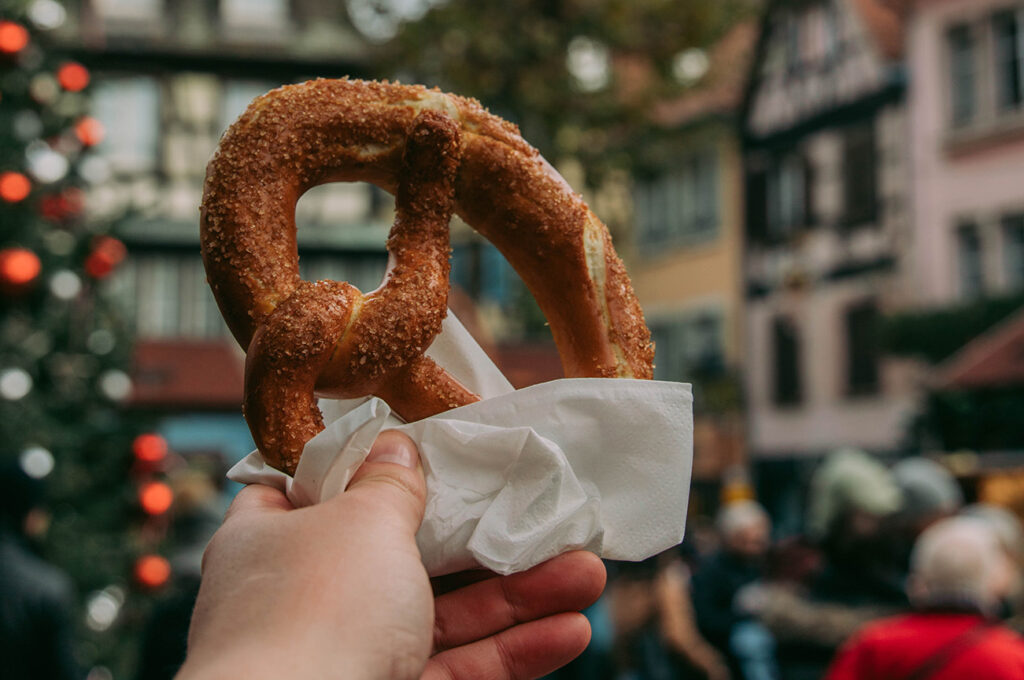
x,y
13,37
14,186
89,131
52,207
149,448
155,498
19,267
107,253
73,200
152,571
72,76
61,206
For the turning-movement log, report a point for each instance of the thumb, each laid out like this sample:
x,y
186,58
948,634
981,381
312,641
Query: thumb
x,y
391,475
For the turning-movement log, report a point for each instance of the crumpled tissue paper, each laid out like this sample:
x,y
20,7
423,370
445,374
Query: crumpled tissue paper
x,y
522,475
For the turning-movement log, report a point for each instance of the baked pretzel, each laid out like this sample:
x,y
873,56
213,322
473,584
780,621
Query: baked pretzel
x,y
327,337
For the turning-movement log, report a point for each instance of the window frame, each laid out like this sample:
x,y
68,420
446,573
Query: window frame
x,y
682,333
682,204
1011,227
863,373
860,201
787,387
970,284
969,45
1008,101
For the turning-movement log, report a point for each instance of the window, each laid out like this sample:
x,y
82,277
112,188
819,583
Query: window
x,y
168,296
792,28
238,94
158,297
131,106
786,195
1013,249
482,271
689,346
833,31
786,384
862,351
820,34
972,280
255,14
860,200
962,62
1009,58
364,271
681,205
129,10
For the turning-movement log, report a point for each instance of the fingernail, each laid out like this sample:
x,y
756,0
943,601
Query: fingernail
x,y
393,449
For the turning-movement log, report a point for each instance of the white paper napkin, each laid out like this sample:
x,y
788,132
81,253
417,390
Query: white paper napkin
x,y
523,475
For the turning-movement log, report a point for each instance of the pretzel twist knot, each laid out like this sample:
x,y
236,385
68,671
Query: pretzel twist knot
x,y
439,153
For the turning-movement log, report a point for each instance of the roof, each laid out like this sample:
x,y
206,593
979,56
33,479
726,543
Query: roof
x,y
188,374
885,24
993,359
721,89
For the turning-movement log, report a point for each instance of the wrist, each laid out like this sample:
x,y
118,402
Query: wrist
x,y
263,662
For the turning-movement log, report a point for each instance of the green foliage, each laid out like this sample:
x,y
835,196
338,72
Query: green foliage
x,y
513,57
937,334
976,420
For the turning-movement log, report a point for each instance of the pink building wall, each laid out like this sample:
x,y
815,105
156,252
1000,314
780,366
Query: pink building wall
x,y
975,173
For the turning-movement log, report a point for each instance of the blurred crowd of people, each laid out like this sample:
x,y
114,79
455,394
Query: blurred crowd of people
x,y
894,577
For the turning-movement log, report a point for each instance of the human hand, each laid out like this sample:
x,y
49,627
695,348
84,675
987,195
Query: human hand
x,y
338,590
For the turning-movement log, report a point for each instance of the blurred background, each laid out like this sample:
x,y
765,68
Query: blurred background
x,y
819,202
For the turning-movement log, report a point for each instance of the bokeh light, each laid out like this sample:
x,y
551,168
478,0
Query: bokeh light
x,y
155,498
152,571
14,186
19,266
73,77
149,447
13,37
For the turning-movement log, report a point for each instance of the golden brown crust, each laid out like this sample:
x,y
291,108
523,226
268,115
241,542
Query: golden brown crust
x,y
299,136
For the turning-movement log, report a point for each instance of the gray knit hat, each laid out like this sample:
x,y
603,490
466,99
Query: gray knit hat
x,y
849,479
928,488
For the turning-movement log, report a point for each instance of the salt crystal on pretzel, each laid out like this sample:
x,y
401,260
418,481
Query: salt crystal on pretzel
x,y
300,136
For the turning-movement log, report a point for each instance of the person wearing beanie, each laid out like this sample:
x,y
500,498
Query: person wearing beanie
x,y
852,498
959,572
849,482
930,492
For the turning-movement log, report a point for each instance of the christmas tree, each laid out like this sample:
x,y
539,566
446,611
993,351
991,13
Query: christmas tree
x,y
64,351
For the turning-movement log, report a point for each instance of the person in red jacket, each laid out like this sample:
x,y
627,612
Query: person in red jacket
x,y
958,575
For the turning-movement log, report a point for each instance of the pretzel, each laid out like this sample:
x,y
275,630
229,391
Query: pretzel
x,y
438,152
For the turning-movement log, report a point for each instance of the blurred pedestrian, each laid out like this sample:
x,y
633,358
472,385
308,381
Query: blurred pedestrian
x,y
639,653
678,623
745,531
853,498
36,598
959,572
1008,530
930,493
